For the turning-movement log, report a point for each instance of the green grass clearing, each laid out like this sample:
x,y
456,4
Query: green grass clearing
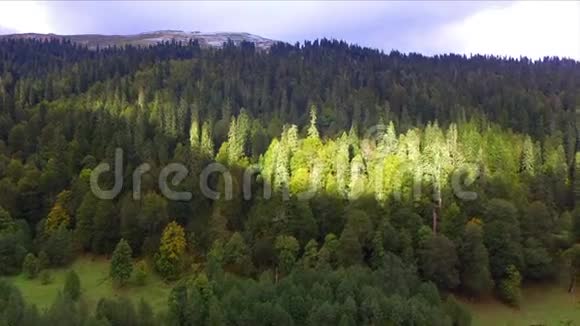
x,y
541,305
95,284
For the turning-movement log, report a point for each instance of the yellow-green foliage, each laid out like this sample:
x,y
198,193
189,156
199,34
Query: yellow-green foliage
x,y
173,241
58,214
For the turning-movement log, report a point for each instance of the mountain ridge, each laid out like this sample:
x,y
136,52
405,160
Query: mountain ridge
x,y
206,39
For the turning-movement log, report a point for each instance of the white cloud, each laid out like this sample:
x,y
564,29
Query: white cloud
x,y
24,16
533,29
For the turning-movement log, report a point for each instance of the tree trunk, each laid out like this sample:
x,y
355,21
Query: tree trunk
x,y
572,286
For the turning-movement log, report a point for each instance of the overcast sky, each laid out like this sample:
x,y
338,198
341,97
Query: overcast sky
x,y
533,29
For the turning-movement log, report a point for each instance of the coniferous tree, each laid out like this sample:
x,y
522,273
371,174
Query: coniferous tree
x,y
194,136
328,254
84,221
357,178
439,262
60,247
58,214
30,266
502,237
287,247
310,257
509,287
171,249
207,145
475,275
528,157
72,285
121,263
349,250
237,254
312,129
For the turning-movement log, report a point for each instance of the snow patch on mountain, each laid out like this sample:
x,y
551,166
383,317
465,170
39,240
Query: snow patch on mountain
x,y
211,39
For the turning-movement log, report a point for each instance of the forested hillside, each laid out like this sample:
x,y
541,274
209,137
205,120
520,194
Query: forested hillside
x,y
397,181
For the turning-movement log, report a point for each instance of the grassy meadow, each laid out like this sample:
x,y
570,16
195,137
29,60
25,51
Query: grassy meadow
x,y
541,305
95,284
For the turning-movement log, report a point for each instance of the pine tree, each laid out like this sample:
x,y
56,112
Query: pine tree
x,y
310,258
84,217
456,156
194,140
342,166
509,287
378,253
181,116
312,130
328,254
173,241
103,227
357,178
290,138
243,130
59,247
281,174
235,142
439,262
218,224
121,263
475,275
30,266
72,286
215,260
528,157
237,254
59,214
57,217
287,248
349,248
169,121
169,258
207,146
7,225
389,142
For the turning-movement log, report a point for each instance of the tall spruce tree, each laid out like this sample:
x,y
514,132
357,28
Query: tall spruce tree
x,y
121,263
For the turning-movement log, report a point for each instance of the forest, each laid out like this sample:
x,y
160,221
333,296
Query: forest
x,y
383,185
